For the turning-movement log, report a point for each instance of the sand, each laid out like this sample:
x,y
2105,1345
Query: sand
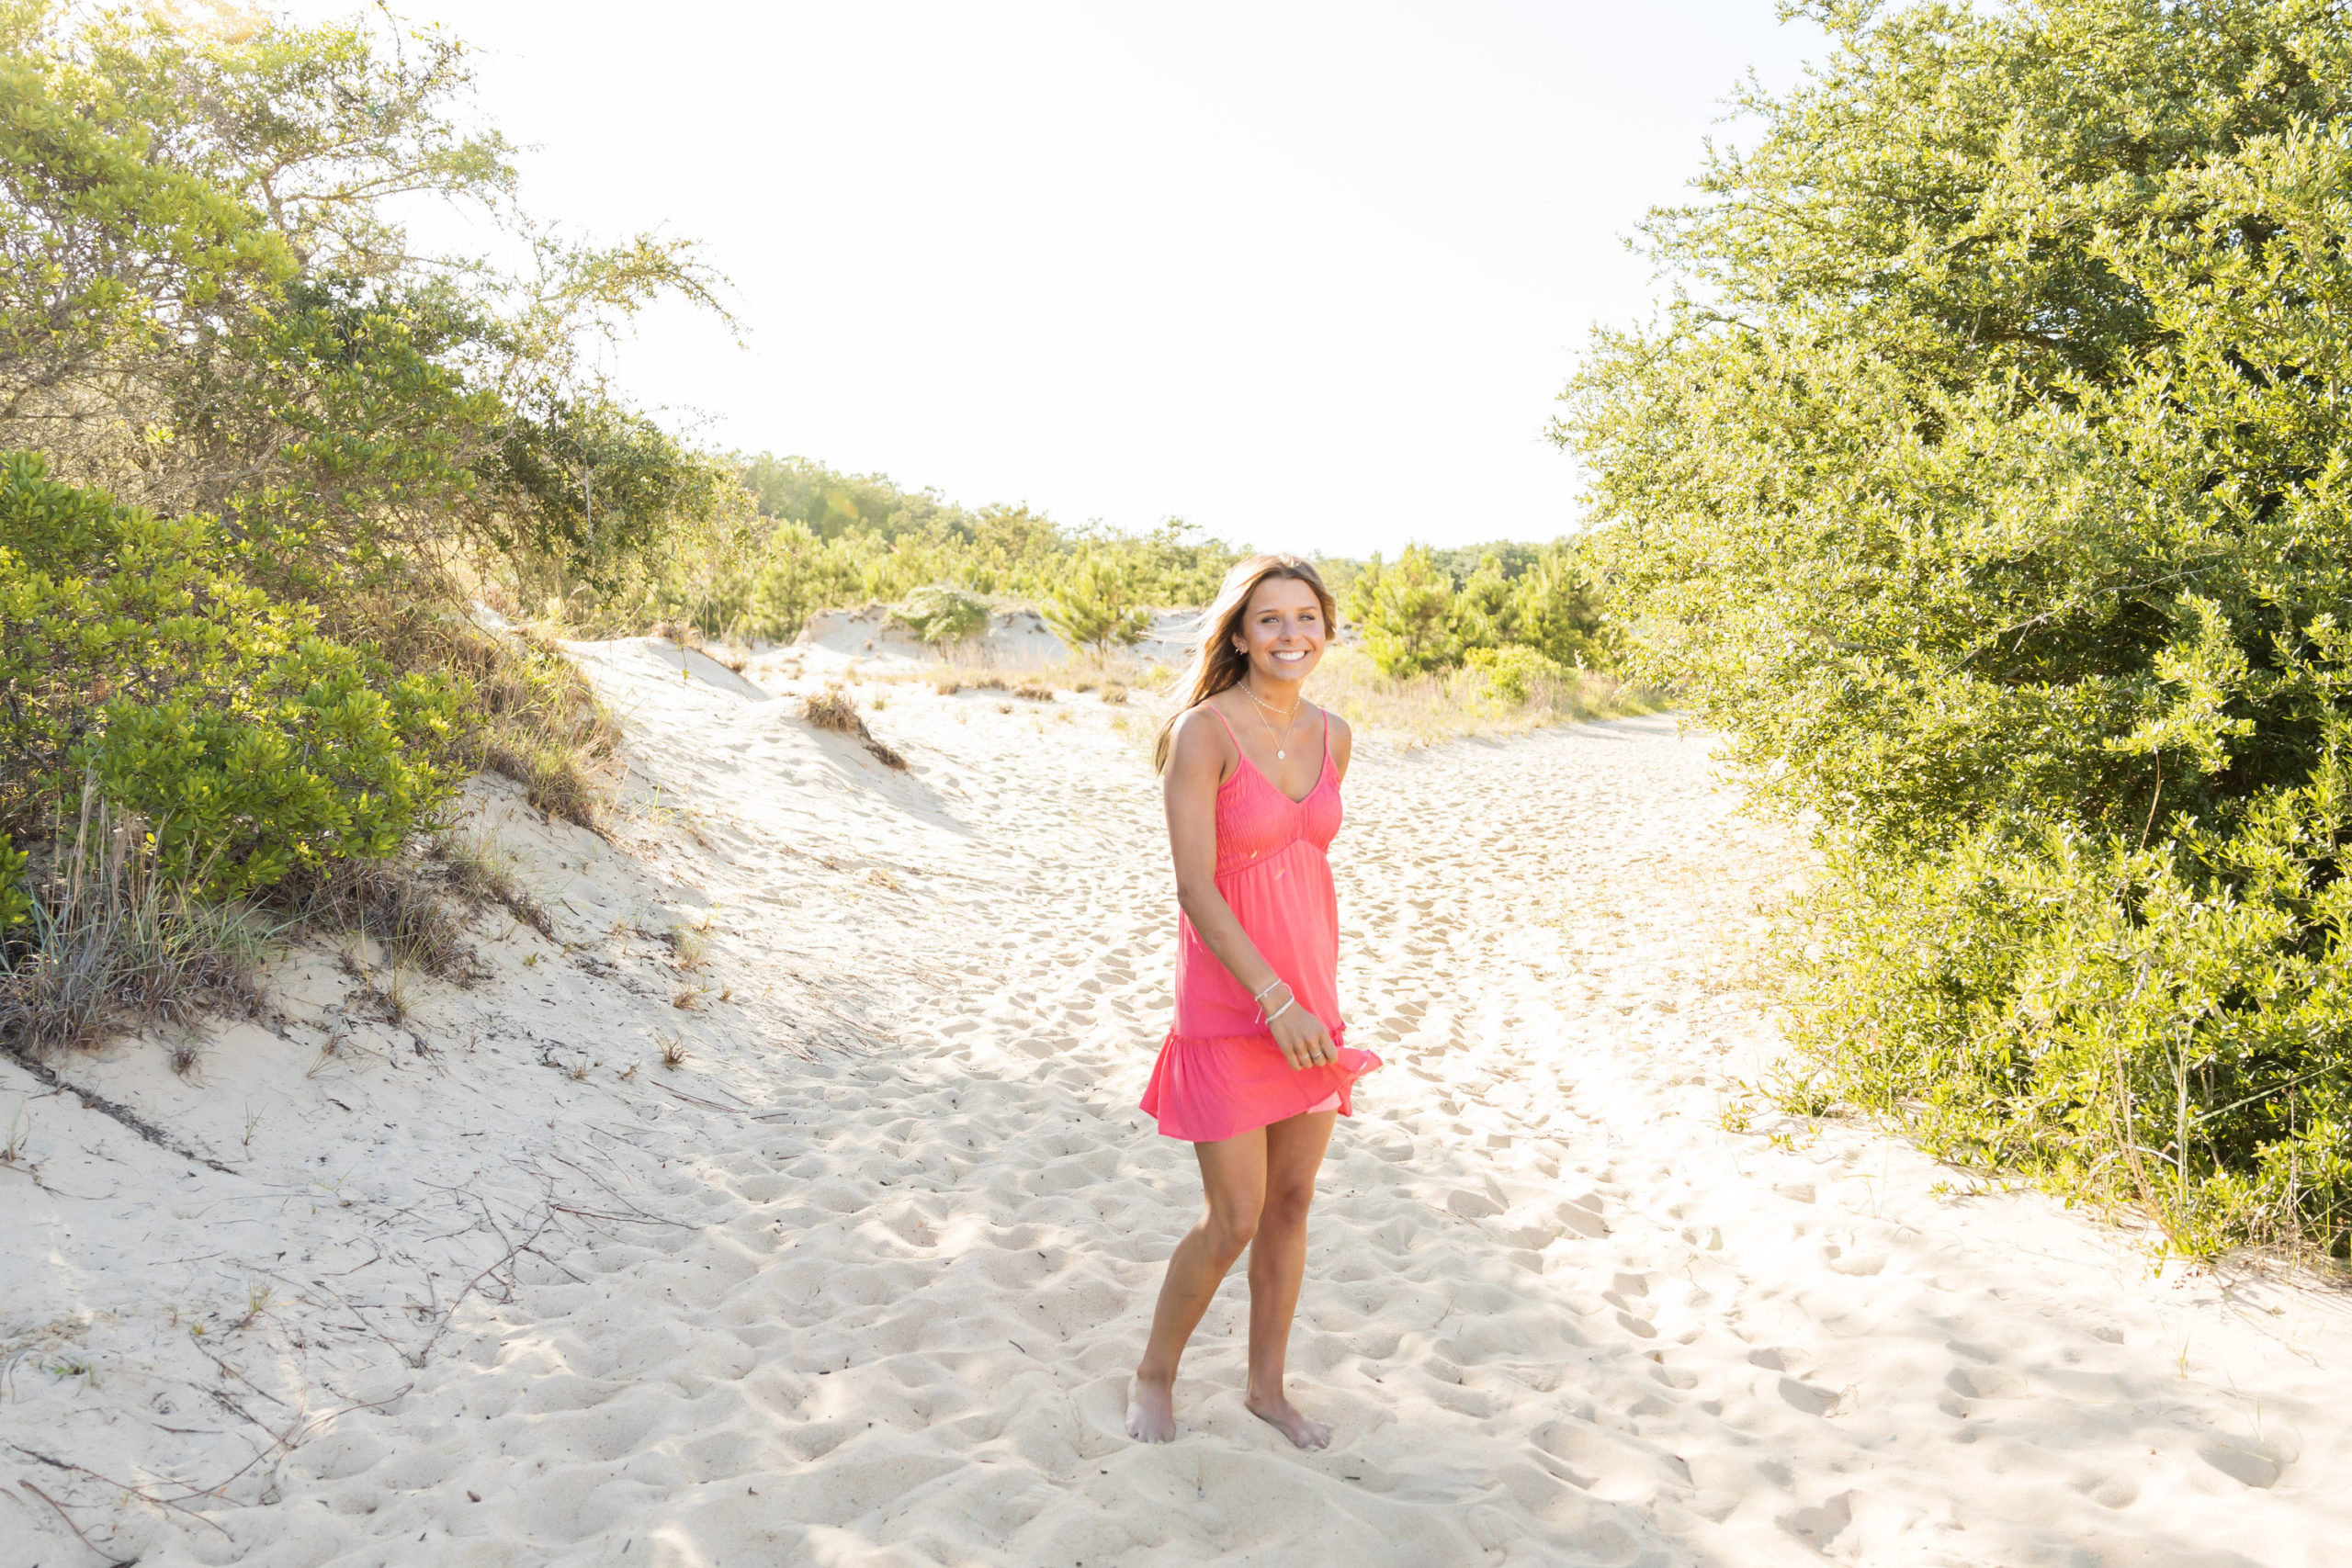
x,y
858,1283
1016,639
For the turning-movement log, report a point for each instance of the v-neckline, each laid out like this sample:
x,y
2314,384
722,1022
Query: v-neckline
x,y
1243,752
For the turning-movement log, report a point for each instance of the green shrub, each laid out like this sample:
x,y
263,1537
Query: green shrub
x,y
135,654
1985,486
2125,1023
1512,670
942,616
1094,606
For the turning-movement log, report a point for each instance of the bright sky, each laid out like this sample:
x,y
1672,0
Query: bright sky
x,y
1307,274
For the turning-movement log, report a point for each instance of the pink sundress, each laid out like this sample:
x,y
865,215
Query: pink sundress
x,y
1219,1072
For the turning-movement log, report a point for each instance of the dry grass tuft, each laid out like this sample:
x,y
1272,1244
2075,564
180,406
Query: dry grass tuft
x,y
947,685
478,869
1033,692
673,1049
1114,694
832,709
537,719
682,633
111,944
392,902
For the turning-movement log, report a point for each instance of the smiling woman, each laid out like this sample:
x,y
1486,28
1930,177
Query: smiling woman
x,y
1253,1070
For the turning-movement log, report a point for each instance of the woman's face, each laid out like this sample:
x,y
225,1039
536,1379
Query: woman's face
x,y
1282,632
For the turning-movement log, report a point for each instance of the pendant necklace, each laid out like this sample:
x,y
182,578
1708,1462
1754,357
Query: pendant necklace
x,y
1289,719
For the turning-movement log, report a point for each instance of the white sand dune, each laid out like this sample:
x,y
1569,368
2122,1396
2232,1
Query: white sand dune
x,y
1016,639
859,1282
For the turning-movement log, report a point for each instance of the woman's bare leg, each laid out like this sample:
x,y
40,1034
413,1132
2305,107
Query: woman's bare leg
x,y
1277,1262
1233,1178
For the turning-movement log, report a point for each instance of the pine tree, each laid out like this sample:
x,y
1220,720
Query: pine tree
x,y
1095,608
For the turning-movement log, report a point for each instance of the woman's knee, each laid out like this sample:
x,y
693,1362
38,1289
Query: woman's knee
x,y
1286,1205
1230,1228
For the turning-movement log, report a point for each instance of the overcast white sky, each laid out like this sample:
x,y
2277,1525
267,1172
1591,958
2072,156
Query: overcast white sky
x,y
1308,274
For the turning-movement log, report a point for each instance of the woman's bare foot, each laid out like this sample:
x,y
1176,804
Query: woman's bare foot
x,y
1151,1410
1279,1413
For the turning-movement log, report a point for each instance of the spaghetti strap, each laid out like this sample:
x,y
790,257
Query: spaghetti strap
x,y
1225,721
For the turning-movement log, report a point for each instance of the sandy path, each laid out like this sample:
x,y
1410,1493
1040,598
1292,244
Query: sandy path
x,y
882,1313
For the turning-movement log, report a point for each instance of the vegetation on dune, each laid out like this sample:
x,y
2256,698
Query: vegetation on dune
x,y
1986,482
136,656
1431,611
253,453
1095,608
942,617
822,540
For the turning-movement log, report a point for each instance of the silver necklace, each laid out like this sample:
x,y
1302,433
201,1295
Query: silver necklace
x,y
1289,719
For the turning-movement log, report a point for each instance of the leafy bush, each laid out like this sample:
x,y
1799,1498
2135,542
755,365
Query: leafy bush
x,y
2123,1022
133,653
942,616
1994,504
1510,670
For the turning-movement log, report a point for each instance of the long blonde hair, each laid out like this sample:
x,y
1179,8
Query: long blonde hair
x,y
1216,663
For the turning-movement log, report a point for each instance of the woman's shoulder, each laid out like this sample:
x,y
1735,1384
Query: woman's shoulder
x,y
1342,739
1199,727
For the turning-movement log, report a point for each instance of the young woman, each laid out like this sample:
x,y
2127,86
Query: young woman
x,y
1253,1069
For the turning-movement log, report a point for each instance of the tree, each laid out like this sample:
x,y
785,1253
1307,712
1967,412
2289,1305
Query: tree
x,y
1986,482
1095,608
204,304
1486,610
1411,624
1555,611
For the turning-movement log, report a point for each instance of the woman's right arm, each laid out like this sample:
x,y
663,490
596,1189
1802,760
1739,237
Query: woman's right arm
x,y
1196,768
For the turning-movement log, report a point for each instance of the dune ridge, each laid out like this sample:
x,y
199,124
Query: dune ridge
x,y
858,1282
